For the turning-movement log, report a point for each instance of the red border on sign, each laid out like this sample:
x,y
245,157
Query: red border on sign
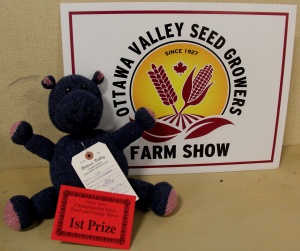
x,y
131,12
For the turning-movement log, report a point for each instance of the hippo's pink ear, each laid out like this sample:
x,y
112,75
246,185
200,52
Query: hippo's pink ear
x,y
48,82
98,77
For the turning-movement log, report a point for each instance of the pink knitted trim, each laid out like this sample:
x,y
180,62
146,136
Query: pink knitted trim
x,y
100,76
172,202
152,114
11,218
14,127
47,81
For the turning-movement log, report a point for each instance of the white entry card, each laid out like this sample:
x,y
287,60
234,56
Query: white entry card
x,y
98,170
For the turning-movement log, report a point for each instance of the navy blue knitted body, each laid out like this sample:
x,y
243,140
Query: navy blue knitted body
x,y
61,169
75,107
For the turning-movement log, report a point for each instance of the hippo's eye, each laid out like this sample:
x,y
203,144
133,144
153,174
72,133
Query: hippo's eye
x,y
84,87
67,90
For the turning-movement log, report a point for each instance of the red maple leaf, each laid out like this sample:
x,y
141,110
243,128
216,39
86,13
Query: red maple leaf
x,y
180,68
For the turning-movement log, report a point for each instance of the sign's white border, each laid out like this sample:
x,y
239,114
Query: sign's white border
x,y
70,12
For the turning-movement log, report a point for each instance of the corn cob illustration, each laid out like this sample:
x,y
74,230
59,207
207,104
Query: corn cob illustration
x,y
163,86
194,91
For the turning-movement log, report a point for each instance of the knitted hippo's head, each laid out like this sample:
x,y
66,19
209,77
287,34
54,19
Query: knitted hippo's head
x,y
75,102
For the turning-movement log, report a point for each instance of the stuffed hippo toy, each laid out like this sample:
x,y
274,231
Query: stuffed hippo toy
x,y
75,108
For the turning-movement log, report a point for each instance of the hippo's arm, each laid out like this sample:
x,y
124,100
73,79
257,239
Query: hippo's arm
x,y
130,132
21,133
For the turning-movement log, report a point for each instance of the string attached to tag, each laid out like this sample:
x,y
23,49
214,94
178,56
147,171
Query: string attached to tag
x,y
89,155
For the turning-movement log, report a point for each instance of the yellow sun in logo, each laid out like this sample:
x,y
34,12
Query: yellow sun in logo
x,y
181,78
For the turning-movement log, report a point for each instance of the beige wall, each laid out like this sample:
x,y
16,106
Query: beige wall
x,y
30,48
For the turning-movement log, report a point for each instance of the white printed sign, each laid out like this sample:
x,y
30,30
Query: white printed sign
x,y
216,75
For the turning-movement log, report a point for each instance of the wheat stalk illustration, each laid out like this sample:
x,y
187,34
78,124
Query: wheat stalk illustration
x,y
163,86
194,91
